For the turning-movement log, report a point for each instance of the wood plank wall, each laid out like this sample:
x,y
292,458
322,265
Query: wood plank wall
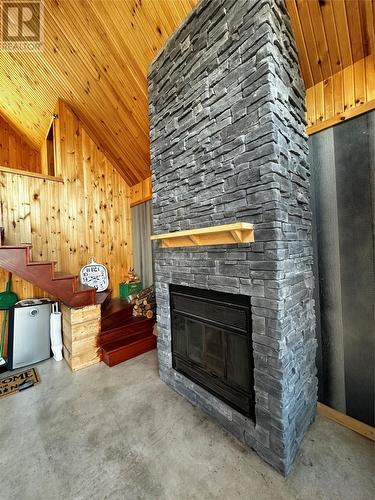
x,y
88,214
141,192
15,150
347,93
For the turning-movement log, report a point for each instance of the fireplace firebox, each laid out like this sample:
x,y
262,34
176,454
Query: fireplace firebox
x,y
211,343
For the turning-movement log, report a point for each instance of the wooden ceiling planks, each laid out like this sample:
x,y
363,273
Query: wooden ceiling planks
x,y
320,38
99,70
341,19
367,13
300,42
310,41
96,55
331,30
331,35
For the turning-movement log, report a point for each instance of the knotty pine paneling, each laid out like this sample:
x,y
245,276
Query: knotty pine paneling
x,y
345,94
141,192
88,215
15,150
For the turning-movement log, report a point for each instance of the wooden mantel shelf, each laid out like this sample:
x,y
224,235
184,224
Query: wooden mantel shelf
x,y
228,234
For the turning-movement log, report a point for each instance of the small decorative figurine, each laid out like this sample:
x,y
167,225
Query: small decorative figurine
x,y
132,277
95,275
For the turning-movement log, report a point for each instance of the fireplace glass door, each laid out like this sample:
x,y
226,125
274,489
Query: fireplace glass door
x,y
211,343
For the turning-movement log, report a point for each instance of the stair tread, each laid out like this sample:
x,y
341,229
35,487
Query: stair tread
x,y
116,305
129,324
116,336
129,330
84,288
62,276
41,263
115,314
103,297
125,342
119,352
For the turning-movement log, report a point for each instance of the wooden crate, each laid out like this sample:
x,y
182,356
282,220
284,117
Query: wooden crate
x,y
80,314
81,328
80,331
80,345
79,361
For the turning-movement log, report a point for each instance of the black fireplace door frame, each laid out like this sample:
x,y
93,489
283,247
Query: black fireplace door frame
x,y
230,315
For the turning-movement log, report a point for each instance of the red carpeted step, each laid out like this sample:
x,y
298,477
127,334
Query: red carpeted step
x,y
116,313
132,327
126,348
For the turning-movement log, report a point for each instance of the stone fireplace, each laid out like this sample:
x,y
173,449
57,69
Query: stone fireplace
x,y
228,146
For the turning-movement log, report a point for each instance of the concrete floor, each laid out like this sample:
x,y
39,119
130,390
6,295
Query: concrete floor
x,y
120,433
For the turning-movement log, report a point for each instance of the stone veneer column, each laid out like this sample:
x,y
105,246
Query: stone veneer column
x,y
228,145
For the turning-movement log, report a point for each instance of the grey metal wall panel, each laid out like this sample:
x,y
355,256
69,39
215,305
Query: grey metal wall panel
x,y
331,335
342,160
353,161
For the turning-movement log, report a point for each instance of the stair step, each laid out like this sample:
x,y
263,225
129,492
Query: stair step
x,y
42,263
62,286
116,305
116,313
103,299
112,346
134,326
127,348
62,276
84,288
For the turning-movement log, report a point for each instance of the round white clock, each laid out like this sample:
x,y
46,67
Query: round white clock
x,y
95,275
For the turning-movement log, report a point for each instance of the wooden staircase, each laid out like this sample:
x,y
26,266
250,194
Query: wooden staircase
x,y
122,336
65,287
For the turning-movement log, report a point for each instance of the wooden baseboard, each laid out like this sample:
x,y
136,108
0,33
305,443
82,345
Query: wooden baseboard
x,y
346,421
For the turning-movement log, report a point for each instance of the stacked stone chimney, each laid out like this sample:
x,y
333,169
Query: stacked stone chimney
x,y
228,145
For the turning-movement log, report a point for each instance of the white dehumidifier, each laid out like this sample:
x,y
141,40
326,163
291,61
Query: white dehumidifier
x,y
29,332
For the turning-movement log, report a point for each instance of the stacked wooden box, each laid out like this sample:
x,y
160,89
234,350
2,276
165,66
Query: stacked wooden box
x,y
81,327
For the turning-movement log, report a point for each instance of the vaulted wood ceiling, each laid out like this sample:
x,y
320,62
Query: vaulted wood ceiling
x,y
96,55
